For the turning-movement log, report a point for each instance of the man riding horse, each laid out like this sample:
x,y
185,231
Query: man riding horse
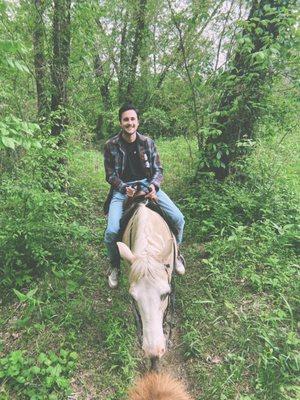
x,y
130,159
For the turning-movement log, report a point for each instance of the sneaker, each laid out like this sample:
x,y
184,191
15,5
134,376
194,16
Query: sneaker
x,y
113,278
180,264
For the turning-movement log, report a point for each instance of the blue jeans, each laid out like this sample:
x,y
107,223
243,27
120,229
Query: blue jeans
x,y
116,211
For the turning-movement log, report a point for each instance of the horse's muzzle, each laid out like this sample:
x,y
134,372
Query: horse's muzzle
x,y
156,351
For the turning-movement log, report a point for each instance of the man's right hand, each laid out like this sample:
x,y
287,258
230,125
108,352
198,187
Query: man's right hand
x,y
130,191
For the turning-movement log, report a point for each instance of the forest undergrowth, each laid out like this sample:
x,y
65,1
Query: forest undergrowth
x,y
64,334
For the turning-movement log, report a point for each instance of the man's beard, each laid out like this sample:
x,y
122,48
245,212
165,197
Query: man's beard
x,y
129,133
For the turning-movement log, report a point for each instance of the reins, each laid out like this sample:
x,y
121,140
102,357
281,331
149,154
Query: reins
x,y
169,314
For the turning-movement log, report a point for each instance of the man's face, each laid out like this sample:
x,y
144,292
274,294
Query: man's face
x,y
129,122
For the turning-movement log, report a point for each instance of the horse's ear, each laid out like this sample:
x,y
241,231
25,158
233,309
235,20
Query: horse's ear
x,y
125,252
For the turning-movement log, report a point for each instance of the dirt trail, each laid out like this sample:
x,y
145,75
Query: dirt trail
x,y
173,362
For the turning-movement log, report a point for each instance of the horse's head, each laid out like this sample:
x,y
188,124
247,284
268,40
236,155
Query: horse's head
x,y
150,288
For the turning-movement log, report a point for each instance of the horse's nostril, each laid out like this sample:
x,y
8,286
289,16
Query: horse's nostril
x,y
162,351
154,352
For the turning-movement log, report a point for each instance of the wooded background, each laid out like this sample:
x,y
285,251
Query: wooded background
x,y
194,68
217,84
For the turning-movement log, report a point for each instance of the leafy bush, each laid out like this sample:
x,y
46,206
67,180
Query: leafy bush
x,y
45,377
239,323
15,132
155,122
261,192
37,232
39,225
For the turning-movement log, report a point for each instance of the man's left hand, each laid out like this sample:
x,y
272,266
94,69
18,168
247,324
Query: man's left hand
x,y
152,194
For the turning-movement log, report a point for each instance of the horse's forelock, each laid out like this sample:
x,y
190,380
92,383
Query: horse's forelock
x,y
151,269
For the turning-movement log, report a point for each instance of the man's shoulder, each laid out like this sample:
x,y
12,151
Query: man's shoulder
x,y
113,140
145,138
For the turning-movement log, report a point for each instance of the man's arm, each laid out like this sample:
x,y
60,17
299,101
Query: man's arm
x,y
157,176
112,177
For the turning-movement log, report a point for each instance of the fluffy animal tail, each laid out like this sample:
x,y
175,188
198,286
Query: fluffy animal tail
x,y
155,386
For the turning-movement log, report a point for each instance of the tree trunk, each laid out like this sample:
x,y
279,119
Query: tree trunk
x,y
102,127
39,59
137,47
124,65
60,64
239,103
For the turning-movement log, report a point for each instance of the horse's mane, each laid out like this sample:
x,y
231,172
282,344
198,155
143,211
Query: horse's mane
x,y
133,206
128,214
150,267
153,271
154,386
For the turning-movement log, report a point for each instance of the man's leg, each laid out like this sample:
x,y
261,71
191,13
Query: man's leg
x,y
177,218
111,235
172,212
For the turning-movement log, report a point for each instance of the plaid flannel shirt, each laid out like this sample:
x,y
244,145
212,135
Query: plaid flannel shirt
x,y
114,161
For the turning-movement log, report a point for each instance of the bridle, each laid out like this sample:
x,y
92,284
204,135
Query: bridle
x,y
168,317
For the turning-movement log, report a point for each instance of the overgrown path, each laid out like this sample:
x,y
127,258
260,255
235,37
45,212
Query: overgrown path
x,y
121,358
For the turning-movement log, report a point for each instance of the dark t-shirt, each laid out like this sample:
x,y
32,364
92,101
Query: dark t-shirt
x,y
133,167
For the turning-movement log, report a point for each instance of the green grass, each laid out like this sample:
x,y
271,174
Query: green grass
x,y
236,304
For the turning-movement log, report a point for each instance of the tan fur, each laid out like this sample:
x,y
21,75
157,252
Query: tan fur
x,y
154,271
154,386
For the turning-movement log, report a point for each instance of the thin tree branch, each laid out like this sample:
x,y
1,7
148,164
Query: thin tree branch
x,y
223,33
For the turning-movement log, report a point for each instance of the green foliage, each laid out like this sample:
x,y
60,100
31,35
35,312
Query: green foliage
x,y
119,339
40,227
14,133
37,233
265,40
156,123
41,378
239,323
259,191
239,329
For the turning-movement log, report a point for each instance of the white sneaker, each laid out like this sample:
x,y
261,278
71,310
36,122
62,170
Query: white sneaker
x,y
180,265
113,278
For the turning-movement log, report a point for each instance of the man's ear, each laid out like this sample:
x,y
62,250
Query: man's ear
x,y
126,253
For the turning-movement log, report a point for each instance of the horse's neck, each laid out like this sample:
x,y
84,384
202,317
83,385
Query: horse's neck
x,y
149,237
141,229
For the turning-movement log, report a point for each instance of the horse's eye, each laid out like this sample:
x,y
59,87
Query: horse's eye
x,y
164,296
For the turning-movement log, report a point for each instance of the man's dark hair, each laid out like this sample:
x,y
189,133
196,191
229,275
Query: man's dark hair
x,y
127,107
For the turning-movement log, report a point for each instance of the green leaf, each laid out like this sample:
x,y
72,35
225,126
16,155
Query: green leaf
x,y
73,355
8,142
35,369
20,296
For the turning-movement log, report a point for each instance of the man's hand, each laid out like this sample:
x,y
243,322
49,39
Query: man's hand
x,y
152,194
130,191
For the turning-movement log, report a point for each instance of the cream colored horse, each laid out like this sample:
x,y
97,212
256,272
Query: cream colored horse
x,y
155,386
149,247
